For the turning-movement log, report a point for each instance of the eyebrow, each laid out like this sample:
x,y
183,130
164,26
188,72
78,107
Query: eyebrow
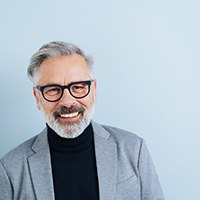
x,y
56,84
48,84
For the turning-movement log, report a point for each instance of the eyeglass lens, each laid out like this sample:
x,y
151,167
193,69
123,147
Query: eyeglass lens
x,y
77,90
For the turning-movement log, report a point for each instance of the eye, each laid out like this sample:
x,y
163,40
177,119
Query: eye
x,y
52,90
77,87
80,87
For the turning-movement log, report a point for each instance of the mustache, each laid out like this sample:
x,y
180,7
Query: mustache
x,y
67,110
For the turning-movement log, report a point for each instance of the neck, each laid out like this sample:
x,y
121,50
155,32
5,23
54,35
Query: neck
x,y
77,144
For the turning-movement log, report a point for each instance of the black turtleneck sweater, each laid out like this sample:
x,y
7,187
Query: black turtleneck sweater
x,y
74,166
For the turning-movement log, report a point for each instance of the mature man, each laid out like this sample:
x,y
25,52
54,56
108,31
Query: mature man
x,y
74,158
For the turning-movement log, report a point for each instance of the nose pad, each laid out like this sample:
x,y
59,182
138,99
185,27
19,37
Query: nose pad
x,y
67,99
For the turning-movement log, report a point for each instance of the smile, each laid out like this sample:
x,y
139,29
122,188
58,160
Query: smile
x,y
70,115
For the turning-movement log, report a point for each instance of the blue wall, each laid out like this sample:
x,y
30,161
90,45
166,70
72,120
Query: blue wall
x,y
146,63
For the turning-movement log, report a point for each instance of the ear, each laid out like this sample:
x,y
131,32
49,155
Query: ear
x,y
94,88
37,97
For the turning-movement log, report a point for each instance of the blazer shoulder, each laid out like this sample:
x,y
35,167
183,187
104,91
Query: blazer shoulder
x,y
20,152
121,136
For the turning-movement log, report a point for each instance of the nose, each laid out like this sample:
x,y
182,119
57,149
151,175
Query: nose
x,y
67,99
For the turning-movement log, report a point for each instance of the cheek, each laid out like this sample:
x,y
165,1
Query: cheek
x,y
48,107
88,101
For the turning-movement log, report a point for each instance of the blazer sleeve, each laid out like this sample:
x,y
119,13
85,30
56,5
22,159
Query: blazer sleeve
x,y
150,186
5,185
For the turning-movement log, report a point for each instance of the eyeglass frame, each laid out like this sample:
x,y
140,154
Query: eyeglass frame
x,y
41,89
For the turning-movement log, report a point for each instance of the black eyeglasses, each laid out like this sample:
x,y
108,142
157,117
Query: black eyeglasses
x,y
55,92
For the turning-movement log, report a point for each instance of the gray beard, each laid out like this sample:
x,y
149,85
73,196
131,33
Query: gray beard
x,y
70,130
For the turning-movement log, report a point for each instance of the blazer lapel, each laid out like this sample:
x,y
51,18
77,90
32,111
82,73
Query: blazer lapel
x,y
40,168
106,158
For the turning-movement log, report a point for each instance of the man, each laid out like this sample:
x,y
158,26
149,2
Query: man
x,y
74,158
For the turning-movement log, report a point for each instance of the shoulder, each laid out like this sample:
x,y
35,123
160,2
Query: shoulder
x,y
121,136
121,133
20,153
124,140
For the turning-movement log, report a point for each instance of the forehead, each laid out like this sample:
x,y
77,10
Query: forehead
x,y
63,70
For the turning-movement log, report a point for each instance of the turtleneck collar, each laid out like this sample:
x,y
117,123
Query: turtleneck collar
x,y
75,145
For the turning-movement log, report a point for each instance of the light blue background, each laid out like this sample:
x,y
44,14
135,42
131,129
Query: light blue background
x,y
147,65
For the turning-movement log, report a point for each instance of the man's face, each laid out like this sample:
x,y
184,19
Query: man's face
x,y
68,116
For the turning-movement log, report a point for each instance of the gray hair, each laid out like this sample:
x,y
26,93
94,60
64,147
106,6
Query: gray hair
x,y
52,50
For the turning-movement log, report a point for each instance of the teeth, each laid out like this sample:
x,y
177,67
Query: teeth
x,y
69,115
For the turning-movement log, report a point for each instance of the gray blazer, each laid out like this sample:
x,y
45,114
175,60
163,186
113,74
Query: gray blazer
x,y
124,167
